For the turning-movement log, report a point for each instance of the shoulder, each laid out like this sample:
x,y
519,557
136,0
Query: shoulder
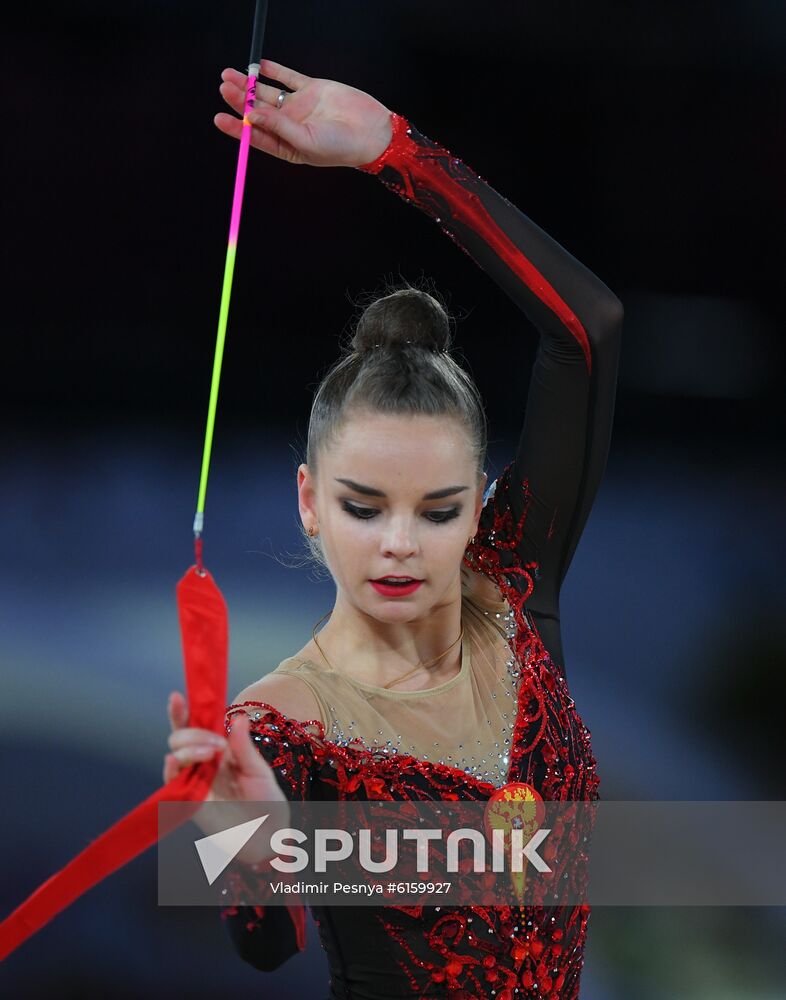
x,y
287,693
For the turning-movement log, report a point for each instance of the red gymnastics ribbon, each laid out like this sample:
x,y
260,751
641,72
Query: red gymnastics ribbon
x,y
205,634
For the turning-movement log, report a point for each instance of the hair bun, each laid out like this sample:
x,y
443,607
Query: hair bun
x,y
406,316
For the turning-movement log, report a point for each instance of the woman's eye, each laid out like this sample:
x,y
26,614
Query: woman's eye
x,y
441,516
364,513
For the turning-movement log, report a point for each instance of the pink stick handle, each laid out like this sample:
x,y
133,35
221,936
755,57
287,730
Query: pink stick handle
x,y
242,160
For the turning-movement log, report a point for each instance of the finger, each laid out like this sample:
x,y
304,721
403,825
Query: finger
x,y
228,124
267,95
173,764
193,754
235,77
234,96
246,755
177,710
189,735
289,77
260,137
233,90
293,133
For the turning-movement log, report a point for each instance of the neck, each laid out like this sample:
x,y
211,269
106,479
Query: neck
x,y
380,652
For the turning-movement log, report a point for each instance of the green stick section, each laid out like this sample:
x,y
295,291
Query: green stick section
x,y
223,315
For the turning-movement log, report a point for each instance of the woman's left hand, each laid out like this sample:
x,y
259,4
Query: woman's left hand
x,y
321,122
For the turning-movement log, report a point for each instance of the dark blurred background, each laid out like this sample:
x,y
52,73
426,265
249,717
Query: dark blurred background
x,y
649,140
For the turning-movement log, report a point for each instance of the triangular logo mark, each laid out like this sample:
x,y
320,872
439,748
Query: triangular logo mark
x,y
218,850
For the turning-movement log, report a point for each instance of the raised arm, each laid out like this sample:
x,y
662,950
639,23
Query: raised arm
x,y
564,442
566,432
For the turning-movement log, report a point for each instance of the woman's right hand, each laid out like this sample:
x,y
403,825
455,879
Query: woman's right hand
x,y
243,774
321,122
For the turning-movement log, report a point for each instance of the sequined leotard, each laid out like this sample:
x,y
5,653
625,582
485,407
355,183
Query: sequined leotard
x,y
519,721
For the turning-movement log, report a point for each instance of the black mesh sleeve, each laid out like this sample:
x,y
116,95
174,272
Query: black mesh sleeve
x,y
567,421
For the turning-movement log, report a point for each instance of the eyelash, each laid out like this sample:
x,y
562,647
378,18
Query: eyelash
x,y
445,515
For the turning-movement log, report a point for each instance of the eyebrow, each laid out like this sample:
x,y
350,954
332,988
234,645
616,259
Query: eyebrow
x,y
369,491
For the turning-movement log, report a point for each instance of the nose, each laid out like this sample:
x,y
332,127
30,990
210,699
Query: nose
x,y
399,541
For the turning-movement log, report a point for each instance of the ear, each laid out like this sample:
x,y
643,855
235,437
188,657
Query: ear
x,y
307,497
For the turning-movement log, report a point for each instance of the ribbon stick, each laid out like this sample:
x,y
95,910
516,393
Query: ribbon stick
x,y
205,637
229,267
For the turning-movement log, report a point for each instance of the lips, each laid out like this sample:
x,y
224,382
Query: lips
x,y
386,588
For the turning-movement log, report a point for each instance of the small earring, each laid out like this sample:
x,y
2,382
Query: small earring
x,y
471,541
312,531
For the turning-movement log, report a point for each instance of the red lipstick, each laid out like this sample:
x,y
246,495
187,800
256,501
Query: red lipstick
x,y
395,589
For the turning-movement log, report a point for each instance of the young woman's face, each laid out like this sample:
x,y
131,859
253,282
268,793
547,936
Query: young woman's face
x,y
376,516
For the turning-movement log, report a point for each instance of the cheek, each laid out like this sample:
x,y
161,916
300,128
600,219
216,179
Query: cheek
x,y
350,541
443,548
458,548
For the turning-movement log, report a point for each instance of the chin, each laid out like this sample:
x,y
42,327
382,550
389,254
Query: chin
x,y
391,610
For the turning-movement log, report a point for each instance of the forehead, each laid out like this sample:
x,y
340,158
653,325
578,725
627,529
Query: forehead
x,y
378,448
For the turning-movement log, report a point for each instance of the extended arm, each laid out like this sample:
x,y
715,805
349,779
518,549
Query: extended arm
x,y
565,438
567,424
